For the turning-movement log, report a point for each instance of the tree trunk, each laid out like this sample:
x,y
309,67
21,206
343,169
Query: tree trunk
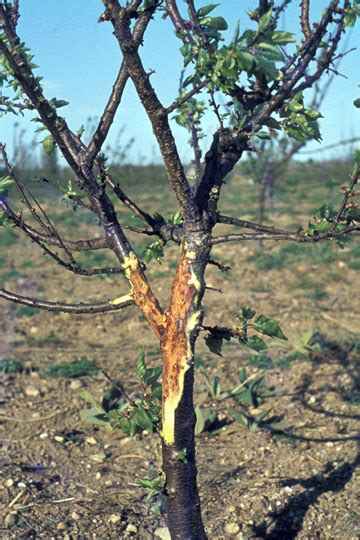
x,y
182,498
182,325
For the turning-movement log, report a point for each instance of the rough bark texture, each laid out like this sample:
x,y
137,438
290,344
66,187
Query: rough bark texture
x,y
183,502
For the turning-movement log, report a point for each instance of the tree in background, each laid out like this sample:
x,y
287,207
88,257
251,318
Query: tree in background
x,y
269,163
263,86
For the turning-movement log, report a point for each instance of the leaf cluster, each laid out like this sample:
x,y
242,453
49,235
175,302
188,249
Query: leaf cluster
x,y
249,321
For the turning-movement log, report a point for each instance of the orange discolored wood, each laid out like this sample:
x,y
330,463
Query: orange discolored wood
x,y
176,349
143,296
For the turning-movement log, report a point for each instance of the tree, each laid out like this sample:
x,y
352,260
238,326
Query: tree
x,y
263,86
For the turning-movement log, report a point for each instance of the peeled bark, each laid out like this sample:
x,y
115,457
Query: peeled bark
x,y
182,323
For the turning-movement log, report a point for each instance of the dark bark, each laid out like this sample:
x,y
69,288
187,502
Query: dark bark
x,y
182,498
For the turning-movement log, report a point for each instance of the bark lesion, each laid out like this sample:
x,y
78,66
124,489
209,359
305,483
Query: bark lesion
x,y
176,346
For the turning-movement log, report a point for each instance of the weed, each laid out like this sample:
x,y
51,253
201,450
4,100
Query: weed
x,y
8,237
311,289
355,265
11,275
355,251
78,368
25,311
10,365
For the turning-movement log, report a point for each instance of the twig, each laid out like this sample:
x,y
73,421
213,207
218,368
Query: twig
x,y
28,420
96,307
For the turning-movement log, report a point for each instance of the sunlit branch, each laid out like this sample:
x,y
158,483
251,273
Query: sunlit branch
x,y
288,236
113,103
348,193
227,220
156,113
330,146
185,97
76,309
305,17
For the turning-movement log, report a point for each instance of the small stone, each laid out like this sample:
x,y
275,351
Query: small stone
x,y
125,440
76,384
98,458
9,483
312,399
32,391
288,490
43,435
59,438
91,440
9,520
34,330
21,485
162,533
98,476
115,518
61,526
232,528
131,528
231,509
75,516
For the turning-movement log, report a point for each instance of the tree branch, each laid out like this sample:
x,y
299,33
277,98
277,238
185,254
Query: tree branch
x,y
113,103
76,309
289,236
304,18
156,113
227,220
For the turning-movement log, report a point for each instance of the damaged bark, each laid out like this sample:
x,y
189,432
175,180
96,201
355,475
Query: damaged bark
x,y
178,429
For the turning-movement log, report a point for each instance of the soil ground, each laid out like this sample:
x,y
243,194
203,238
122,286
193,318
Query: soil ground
x,y
61,478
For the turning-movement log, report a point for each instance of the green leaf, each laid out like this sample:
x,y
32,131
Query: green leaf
x,y
247,312
5,183
240,417
205,418
263,135
357,103
154,251
246,60
214,343
272,123
271,52
125,425
48,145
357,156
86,396
256,343
152,375
218,23
141,368
265,20
350,17
58,103
142,419
205,10
282,38
269,327
95,416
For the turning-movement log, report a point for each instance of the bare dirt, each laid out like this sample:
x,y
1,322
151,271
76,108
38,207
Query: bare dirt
x,y
61,478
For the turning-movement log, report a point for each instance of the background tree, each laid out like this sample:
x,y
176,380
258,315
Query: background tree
x,y
263,86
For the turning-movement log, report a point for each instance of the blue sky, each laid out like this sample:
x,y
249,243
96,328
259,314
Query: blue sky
x,y
79,59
